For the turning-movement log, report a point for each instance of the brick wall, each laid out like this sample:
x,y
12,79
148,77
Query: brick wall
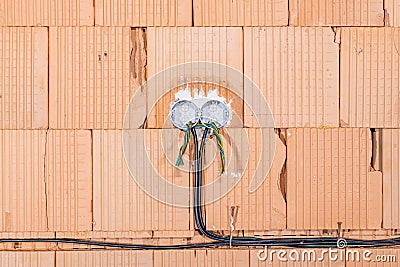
x,y
330,71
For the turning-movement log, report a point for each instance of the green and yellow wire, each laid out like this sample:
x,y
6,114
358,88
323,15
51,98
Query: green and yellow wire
x,y
186,139
218,139
219,143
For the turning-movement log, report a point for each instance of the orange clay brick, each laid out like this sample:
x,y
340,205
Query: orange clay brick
x,y
369,77
23,201
46,12
392,9
69,180
329,180
297,70
165,258
336,13
143,12
209,257
112,258
240,13
171,46
27,258
391,175
264,209
23,78
92,75
119,204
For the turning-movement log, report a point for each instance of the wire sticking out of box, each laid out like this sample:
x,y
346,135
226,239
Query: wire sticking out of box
x,y
218,141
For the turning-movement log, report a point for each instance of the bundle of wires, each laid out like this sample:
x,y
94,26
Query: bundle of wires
x,y
218,140
219,143
220,240
186,139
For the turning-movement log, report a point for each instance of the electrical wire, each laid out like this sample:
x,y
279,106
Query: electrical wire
x,y
186,139
219,240
219,142
110,244
320,242
220,146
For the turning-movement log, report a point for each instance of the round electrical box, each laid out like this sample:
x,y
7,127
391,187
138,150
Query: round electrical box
x,y
217,112
184,112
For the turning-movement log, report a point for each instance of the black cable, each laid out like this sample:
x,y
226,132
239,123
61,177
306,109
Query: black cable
x,y
236,241
321,242
109,244
281,242
197,189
